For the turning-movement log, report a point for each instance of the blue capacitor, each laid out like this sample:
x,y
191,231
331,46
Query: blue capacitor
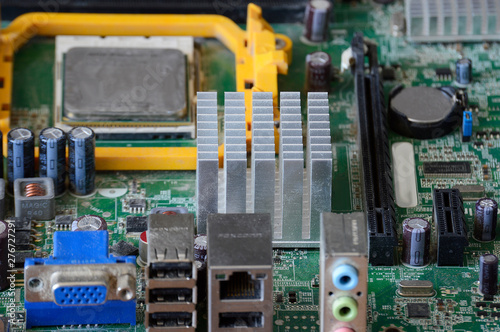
x,y
53,157
463,71
467,126
20,155
81,160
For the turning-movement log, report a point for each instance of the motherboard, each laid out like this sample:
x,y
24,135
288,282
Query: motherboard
x,y
334,171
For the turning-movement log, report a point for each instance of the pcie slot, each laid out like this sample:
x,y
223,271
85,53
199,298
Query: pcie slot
x,y
375,157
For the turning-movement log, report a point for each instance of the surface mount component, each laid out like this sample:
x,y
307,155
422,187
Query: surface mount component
x,y
80,277
452,20
207,165
171,273
416,288
374,154
240,288
424,112
448,169
451,230
343,272
418,310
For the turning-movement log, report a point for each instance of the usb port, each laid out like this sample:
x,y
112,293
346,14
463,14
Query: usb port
x,y
171,270
171,295
171,319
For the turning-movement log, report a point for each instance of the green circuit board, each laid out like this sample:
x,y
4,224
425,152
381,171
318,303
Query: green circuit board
x,y
297,270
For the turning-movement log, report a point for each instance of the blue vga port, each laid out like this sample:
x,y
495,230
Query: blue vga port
x,y
85,295
81,273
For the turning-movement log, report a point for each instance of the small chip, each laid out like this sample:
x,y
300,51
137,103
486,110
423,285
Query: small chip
x,y
481,135
23,240
481,304
482,313
20,257
137,224
123,248
279,297
495,314
388,74
21,224
137,203
64,219
492,305
418,310
292,297
277,260
447,169
176,209
443,72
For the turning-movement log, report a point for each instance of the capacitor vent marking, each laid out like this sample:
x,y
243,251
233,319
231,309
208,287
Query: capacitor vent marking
x,y
34,189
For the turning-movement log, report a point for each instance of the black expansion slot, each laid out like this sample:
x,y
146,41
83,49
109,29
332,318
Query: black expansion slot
x,y
376,161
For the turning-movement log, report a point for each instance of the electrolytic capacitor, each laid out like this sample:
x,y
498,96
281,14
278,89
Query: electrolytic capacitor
x,y
488,275
416,242
316,20
81,160
52,149
463,71
89,222
143,248
4,255
485,222
20,155
318,72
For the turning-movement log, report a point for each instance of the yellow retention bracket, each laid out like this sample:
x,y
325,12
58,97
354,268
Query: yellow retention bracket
x,y
258,63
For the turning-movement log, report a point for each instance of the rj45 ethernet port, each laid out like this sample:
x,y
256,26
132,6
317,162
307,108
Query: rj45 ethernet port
x,y
241,319
242,286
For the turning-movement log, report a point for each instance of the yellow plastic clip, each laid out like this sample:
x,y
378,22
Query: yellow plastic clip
x,y
258,62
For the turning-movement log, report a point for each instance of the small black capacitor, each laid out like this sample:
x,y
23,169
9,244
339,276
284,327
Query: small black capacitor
x,y
318,72
20,155
488,275
463,71
416,242
4,255
81,160
52,148
485,222
317,19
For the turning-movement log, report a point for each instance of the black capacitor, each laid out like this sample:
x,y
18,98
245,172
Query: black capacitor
x,y
485,222
52,147
318,72
488,275
316,20
20,155
463,71
81,160
4,255
416,242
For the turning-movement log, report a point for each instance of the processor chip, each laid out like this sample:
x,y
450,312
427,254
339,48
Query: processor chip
x,y
124,84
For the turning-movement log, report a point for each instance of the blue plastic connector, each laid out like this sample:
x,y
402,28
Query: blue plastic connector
x,y
345,277
467,126
80,303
